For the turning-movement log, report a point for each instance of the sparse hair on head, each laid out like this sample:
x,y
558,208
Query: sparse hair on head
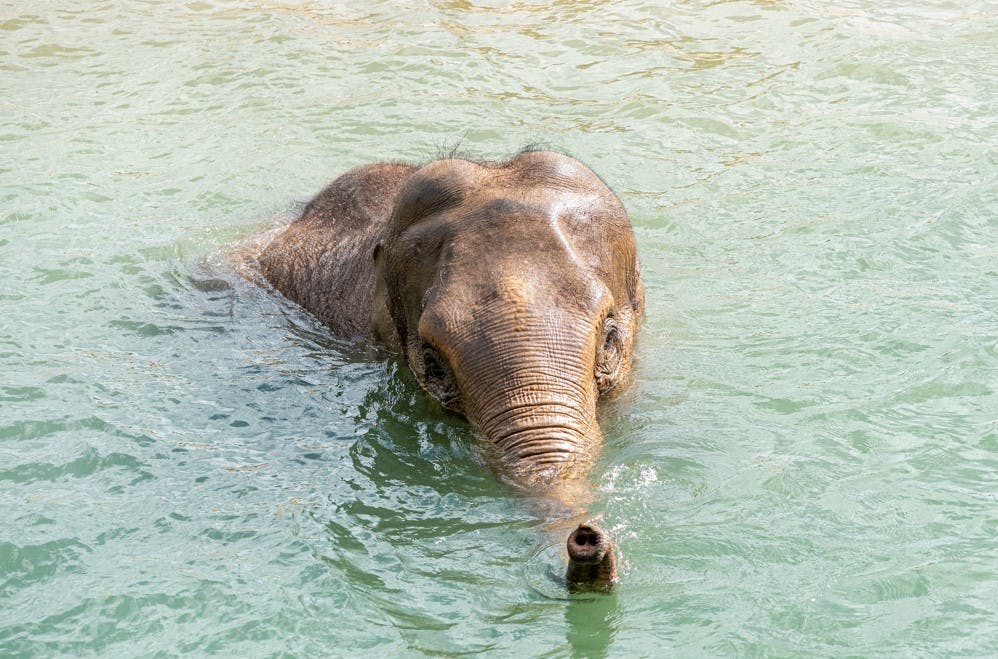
x,y
455,150
458,151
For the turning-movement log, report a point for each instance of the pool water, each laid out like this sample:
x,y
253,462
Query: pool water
x,y
805,465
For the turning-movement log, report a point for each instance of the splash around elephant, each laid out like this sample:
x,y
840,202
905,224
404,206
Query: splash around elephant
x,y
511,288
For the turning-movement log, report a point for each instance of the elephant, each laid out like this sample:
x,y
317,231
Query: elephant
x,y
512,290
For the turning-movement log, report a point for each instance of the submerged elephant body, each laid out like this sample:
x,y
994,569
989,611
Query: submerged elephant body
x,y
512,289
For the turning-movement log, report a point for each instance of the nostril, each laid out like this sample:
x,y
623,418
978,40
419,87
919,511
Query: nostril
x,y
586,545
590,555
586,535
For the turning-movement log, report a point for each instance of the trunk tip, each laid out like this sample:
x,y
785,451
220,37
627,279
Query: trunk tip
x,y
590,557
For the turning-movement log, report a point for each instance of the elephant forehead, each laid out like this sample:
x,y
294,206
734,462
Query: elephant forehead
x,y
516,240
551,184
540,214
517,297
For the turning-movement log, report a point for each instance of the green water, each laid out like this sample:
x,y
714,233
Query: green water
x,y
806,464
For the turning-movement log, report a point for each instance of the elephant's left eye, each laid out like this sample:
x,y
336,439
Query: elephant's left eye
x,y
611,336
609,356
611,339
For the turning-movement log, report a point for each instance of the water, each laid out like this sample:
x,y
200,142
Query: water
x,y
805,465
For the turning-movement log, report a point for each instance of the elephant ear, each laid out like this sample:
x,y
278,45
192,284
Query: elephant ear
x,y
637,287
382,324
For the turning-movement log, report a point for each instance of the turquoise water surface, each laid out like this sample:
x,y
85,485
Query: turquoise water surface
x,y
805,465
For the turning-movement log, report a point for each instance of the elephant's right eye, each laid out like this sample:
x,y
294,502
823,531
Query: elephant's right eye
x,y
438,379
433,368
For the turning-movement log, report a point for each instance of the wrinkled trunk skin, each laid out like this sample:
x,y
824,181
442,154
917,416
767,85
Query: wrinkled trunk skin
x,y
541,418
534,400
548,445
529,389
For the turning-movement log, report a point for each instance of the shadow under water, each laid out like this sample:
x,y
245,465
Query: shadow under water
x,y
591,623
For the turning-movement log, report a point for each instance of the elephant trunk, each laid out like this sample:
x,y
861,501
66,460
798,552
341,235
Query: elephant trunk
x,y
590,558
528,383
544,441
541,419
545,434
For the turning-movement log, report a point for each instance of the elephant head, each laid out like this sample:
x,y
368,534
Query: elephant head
x,y
513,291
